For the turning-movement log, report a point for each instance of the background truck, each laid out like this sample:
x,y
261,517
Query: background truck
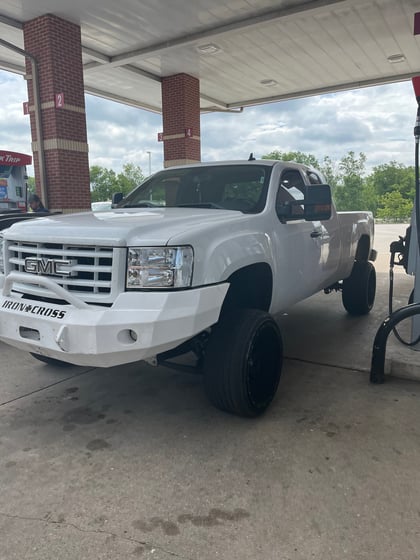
x,y
196,260
13,177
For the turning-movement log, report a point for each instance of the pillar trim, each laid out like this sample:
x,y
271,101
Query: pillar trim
x,y
172,162
62,144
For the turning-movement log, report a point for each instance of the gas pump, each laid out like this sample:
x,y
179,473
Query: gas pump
x,y
408,250
13,177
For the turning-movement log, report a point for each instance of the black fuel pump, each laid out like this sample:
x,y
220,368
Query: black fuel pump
x,y
401,248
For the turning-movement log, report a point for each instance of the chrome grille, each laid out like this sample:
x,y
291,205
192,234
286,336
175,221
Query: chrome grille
x,y
88,272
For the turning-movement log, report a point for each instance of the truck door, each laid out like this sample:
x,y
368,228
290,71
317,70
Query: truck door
x,y
299,243
330,240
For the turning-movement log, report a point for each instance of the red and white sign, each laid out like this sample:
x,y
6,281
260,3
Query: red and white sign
x,y
188,133
59,100
160,136
14,158
26,107
417,23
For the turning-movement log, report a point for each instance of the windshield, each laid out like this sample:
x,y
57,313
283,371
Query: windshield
x,y
230,187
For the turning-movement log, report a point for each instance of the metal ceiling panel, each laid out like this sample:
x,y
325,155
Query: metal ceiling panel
x,y
263,50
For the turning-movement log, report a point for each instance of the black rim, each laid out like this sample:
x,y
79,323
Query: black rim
x,y
262,364
371,289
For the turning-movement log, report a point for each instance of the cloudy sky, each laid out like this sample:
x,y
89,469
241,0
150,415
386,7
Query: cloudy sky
x,y
378,121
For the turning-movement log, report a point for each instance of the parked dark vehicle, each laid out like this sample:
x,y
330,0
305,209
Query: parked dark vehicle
x,y
10,217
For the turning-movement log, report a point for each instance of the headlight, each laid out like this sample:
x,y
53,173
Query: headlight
x,y
1,255
159,267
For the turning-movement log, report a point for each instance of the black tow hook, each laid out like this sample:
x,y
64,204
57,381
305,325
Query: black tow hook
x,y
377,371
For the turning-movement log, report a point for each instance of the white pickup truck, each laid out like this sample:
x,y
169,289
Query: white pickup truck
x,y
196,259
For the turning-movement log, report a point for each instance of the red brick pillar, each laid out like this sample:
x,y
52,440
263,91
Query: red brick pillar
x,y
181,119
56,46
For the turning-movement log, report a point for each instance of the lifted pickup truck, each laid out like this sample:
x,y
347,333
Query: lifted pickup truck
x,y
196,259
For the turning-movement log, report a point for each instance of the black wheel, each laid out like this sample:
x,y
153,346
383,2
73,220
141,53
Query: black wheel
x,y
50,361
359,288
242,363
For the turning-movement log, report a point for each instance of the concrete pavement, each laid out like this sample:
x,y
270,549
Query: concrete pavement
x,y
133,462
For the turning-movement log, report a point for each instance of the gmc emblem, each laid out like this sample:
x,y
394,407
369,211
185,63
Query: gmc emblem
x,y
47,267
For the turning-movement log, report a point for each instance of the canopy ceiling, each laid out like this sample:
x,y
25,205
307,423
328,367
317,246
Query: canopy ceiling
x,y
244,52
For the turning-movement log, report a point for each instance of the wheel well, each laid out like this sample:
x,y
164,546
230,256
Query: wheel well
x,y
363,248
250,287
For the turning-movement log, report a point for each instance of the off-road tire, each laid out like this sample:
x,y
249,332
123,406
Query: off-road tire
x,y
359,289
243,361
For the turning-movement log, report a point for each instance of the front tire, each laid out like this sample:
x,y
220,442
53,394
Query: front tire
x,y
359,288
243,361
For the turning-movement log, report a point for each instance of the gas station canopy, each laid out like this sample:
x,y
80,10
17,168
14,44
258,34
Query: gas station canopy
x,y
244,52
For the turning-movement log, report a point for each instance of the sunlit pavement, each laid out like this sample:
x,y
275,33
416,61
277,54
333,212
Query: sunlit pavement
x,y
133,462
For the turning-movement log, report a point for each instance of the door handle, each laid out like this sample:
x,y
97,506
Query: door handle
x,y
316,233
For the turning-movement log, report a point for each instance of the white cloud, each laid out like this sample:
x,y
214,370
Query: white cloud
x,y
378,121
15,131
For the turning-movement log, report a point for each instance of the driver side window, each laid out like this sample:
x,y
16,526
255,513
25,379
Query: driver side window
x,y
291,189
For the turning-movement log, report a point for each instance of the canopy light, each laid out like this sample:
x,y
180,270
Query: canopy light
x,y
396,58
209,48
268,83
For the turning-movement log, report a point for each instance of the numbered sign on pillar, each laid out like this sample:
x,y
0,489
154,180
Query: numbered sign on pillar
x,y
59,100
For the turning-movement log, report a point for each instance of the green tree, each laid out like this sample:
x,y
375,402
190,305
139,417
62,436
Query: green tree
x,y
370,198
350,193
130,178
104,182
31,184
394,207
388,191
330,172
393,176
298,157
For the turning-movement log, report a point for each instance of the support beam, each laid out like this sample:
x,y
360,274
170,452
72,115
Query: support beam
x,y
240,24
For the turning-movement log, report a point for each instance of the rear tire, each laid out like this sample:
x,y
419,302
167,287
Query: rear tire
x,y
243,361
50,361
359,288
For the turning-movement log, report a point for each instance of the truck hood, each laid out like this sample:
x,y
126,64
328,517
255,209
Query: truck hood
x,y
120,227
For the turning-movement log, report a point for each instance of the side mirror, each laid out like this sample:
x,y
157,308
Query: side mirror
x,y
314,206
116,198
317,202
